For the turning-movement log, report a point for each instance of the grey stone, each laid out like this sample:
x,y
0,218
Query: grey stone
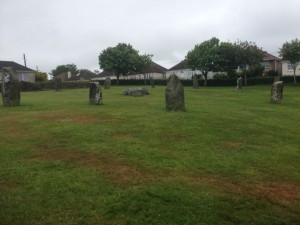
x,y
239,84
136,92
174,94
95,93
195,82
10,87
276,92
107,83
276,78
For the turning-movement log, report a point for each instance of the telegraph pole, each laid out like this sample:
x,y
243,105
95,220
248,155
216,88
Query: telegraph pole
x,y
24,59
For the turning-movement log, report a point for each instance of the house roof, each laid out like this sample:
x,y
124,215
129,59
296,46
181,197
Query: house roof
x,y
179,66
155,68
268,57
15,66
105,74
85,75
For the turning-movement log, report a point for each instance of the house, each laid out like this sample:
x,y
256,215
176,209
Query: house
x,y
287,69
156,71
84,74
271,63
183,72
23,73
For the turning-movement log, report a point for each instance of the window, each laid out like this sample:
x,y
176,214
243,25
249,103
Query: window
x,y
290,66
265,64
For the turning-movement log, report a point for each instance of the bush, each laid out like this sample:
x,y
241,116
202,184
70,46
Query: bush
x,y
272,73
255,71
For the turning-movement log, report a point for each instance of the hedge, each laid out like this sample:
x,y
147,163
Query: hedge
x,y
49,85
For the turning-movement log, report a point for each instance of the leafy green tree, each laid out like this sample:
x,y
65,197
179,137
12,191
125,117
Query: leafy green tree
x,y
41,77
204,57
227,60
65,68
291,51
143,64
123,60
248,55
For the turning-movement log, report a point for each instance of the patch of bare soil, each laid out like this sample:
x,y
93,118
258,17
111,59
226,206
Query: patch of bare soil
x,y
282,193
113,169
8,185
80,119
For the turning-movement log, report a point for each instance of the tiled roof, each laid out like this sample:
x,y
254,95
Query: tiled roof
x,y
15,66
179,66
155,68
85,75
269,57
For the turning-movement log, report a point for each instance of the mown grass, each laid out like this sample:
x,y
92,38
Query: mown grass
x,y
229,159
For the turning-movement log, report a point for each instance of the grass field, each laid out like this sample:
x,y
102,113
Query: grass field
x,y
229,159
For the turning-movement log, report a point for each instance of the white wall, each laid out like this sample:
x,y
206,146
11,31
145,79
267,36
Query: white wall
x,y
186,74
289,72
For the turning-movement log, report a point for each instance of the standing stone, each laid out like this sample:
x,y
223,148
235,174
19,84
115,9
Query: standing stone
x,y
95,94
174,94
152,82
239,84
195,82
57,84
276,92
10,87
276,78
107,83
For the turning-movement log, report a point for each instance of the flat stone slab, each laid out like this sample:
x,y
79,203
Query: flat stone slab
x,y
136,92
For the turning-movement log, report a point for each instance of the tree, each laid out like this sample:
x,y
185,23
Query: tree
x,y
227,60
143,64
65,68
123,60
291,51
248,55
204,57
41,77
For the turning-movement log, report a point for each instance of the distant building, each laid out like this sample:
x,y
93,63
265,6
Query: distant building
x,y
183,72
156,71
287,69
271,63
23,73
84,75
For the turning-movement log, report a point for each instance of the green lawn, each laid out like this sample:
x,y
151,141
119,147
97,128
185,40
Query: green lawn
x,y
231,158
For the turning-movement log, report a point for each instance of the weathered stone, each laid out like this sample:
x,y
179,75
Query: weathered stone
x,y
239,84
174,94
57,84
276,92
10,87
107,83
276,78
195,82
136,92
95,94
152,82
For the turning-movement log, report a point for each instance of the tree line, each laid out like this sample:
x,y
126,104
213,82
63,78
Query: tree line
x,y
208,56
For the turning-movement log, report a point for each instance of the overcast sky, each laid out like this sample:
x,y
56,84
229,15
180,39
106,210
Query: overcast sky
x,y
56,32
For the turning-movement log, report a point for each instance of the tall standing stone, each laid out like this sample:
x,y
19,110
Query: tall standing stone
x,y
195,82
276,92
10,87
174,94
95,93
107,83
